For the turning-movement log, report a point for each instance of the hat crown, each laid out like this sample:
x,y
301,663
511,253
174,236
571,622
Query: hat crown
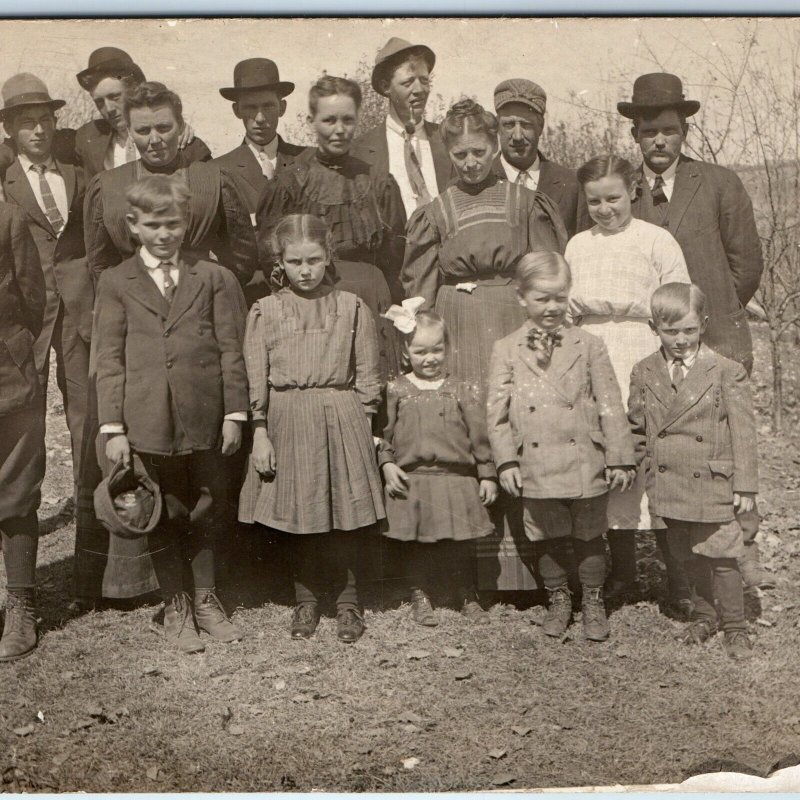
x,y
394,52
520,90
254,72
657,87
25,89
108,55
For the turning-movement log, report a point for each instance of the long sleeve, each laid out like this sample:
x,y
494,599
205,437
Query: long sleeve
x,y
393,244
741,421
256,361
101,252
365,347
237,247
111,329
637,416
227,330
28,273
386,452
498,407
546,229
420,273
475,419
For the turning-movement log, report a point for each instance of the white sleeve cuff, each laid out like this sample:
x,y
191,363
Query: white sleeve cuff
x,y
236,416
112,427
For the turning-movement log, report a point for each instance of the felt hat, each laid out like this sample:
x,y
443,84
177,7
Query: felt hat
x,y
109,62
128,502
520,90
25,89
256,73
395,52
657,91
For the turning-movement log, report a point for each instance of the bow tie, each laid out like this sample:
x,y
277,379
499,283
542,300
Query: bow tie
x,y
543,342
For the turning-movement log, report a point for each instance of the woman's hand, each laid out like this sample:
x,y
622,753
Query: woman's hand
x,y
186,137
263,454
622,477
744,502
511,480
396,480
487,491
231,436
118,449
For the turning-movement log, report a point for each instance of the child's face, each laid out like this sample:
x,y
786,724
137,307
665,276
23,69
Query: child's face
x,y
682,338
546,301
426,352
304,263
160,232
609,202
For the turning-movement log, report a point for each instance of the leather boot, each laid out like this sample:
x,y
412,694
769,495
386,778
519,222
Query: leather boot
x,y
753,572
422,610
19,632
595,623
179,624
211,617
559,611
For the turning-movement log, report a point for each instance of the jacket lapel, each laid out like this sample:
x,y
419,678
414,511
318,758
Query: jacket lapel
x,y
552,186
68,174
249,168
189,286
659,381
697,382
143,289
564,356
441,159
687,182
18,188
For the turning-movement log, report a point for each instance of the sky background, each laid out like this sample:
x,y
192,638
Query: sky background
x,y
596,58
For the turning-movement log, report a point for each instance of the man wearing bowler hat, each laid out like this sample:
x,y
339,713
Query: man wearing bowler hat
x,y
405,144
707,209
520,107
50,193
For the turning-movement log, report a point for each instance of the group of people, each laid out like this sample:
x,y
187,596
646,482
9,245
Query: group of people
x,y
430,335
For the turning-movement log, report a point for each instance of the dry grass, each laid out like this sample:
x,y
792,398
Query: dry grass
x,y
503,705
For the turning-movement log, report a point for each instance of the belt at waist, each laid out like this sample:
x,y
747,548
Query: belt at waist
x,y
318,389
583,319
484,279
442,469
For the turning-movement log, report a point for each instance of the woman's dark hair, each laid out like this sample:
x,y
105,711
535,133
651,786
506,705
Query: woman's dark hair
x,y
151,94
606,166
329,86
467,116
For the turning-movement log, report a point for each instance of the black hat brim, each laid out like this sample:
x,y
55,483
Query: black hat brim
x,y
233,93
54,105
686,107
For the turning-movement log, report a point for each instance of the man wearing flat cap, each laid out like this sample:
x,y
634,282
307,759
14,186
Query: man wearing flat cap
x,y
50,193
405,144
520,107
707,209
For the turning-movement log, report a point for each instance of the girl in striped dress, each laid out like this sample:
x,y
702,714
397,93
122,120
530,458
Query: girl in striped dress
x,y
311,353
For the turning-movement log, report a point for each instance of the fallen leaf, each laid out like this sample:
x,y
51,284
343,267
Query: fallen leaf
x,y
235,730
410,763
411,728
417,655
765,622
95,711
60,758
122,711
364,749
497,753
227,714
521,730
83,724
302,669
152,773
279,685
151,672
453,652
301,698
40,716
409,716
25,730
503,779
792,721
463,675
622,652
386,662
67,676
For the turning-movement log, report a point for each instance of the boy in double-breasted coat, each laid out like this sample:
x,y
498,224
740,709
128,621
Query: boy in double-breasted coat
x,y
693,423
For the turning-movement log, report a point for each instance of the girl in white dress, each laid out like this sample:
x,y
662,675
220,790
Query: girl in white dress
x,y
616,266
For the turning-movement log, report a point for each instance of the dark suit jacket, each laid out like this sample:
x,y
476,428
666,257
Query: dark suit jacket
x,y
63,258
561,185
711,216
169,373
699,443
373,148
243,166
22,302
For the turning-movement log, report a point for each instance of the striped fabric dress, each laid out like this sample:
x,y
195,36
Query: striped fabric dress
x,y
312,364
614,274
461,254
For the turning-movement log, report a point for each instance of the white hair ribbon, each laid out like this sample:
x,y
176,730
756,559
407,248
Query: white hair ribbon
x,y
404,316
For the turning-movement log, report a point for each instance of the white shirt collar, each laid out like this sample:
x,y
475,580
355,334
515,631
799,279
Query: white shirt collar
x,y
26,163
687,361
153,262
512,173
270,150
668,174
395,126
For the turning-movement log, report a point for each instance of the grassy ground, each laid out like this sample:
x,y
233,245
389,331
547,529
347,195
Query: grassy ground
x,y
103,705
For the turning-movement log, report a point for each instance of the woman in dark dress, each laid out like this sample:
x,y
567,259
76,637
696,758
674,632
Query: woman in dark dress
x,y
364,211
461,253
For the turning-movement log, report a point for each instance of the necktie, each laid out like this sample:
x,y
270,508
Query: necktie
x,y
169,284
523,177
677,373
50,207
542,343
659,195
267,170
413,168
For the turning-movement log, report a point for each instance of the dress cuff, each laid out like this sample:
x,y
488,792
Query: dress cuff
x,y
236,416
112,427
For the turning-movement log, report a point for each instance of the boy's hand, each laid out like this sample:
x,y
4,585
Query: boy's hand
x,y
263,454
118,448
622,477
511,480
231,436
186,137
396,480
744,502
488,491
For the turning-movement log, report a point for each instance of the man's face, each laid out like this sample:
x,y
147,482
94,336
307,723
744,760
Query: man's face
x,y
520,129
660,138
32,130
109,97
260,111
408,89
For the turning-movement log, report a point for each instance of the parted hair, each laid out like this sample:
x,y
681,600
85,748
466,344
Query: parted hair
x,y
467,116
329,86
604,167
297,228
152,94
159,194
673,301
540,264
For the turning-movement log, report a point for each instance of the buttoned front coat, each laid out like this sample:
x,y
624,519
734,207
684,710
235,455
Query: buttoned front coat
x,y
562,425
698,444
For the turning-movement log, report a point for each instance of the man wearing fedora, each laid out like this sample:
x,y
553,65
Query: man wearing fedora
x,y
50,194
405,144
520,107
707,209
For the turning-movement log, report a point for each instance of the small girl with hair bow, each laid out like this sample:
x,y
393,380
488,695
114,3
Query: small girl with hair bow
x,y
437,467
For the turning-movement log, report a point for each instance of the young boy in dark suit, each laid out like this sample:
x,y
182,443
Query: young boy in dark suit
x,y
171,385
694,426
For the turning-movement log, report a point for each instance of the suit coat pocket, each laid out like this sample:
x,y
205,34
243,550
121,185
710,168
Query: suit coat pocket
x,y
19,346
721,468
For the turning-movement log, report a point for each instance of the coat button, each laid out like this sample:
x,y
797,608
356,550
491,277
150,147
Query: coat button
x,y
699,438
534,444
570,407
166,334
169,365
531,408
697,474
662,468
662,434
572,441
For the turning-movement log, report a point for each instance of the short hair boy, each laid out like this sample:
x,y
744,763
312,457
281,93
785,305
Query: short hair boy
x,y
171,385
694,426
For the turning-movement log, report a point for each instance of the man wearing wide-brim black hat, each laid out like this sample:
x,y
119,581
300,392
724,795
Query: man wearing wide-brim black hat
x,y
707,209
405,144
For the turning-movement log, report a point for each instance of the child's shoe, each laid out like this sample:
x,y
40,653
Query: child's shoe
x,y
699,631
19,631
211,617
738,645
595,623
474,613
559,611
422,610
179,625
349,624
305,620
